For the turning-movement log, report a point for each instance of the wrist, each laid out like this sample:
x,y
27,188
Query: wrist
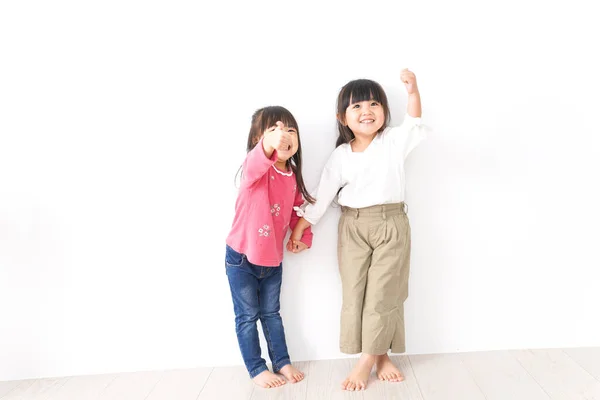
x,y
267,146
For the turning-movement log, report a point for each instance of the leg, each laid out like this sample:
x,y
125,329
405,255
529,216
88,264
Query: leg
x,y
354,258
387,288
244,292
272,324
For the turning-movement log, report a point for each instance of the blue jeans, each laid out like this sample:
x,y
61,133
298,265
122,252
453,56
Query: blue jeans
x,y
255,291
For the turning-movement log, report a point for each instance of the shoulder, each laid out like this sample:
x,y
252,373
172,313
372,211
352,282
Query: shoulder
x,y
341,150
339,154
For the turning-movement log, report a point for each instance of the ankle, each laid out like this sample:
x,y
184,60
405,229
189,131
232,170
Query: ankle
x,y
368,359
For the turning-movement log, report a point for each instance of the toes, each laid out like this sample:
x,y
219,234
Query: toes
x,y
276,383
362,385
345,384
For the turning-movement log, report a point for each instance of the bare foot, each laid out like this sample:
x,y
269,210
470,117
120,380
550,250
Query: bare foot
x,y
387,371
267,379
291,373
357,380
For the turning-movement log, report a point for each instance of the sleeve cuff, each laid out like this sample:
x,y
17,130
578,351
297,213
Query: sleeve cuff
x,y
412,120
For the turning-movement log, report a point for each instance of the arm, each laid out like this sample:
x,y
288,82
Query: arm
x,y
414,97
264,154
302,236
297,241
330,184
257,163
408,135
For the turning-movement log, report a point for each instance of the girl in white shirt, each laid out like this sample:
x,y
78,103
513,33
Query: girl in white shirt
x,y
366,173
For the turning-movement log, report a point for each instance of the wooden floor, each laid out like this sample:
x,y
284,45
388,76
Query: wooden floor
x,y
561,374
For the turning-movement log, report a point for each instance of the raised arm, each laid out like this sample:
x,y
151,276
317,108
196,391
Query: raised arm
x,y
264,154
414,97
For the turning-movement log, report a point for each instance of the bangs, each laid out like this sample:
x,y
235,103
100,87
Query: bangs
x,y
362,90
273,114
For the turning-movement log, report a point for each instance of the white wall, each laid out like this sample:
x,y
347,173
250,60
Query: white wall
x,y
123,123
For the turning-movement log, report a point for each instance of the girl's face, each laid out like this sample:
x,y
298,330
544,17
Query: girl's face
x,y
364,118
284,155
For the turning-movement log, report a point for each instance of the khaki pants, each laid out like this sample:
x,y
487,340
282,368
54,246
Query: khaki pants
x,y
374,259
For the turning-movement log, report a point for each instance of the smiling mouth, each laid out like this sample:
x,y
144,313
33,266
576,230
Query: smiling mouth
x,y
367,121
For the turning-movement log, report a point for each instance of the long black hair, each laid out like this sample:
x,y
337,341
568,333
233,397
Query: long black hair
x,y
356,91
263,119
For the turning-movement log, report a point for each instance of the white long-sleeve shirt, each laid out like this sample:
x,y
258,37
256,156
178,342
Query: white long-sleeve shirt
x,y
371,177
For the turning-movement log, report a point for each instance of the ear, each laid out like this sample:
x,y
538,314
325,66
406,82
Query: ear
x,y
341,119
256,140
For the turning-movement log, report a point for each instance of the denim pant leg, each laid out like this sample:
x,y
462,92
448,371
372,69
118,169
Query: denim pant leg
x,y
244,285
270,319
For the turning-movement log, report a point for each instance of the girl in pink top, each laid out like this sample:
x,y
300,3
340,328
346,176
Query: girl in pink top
x,y
271,187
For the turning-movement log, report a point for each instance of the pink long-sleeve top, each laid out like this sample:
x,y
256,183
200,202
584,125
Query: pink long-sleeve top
x,y
264,210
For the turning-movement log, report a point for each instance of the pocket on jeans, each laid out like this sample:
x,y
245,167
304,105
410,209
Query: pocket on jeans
x,y
233,258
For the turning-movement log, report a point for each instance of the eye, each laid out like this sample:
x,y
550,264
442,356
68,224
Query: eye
x,y
356,106
292,130
374,104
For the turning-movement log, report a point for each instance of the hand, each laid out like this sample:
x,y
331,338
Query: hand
x,y
410,81
296,246
277,139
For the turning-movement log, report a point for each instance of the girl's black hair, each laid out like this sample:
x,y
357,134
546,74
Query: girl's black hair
x,y
356,91
263,119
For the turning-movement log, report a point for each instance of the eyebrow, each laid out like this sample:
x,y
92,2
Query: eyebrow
x,y
356,102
